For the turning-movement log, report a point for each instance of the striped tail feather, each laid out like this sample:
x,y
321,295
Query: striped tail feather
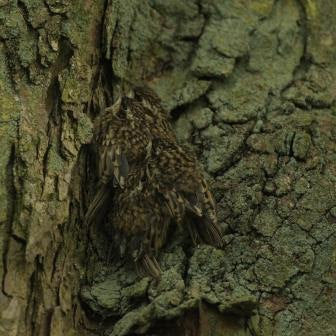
x,y
99,205
205,230
211,232
149,266
207,225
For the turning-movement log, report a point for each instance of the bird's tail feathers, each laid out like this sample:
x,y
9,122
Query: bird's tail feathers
x,y
99,205
211,233
207,230
148,265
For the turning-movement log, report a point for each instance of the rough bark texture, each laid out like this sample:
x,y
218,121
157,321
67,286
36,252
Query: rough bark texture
x,y
250,86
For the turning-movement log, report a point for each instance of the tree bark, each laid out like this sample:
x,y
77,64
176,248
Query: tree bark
x,y
250,86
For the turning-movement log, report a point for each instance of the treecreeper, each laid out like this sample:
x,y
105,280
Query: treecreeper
x,y
147,181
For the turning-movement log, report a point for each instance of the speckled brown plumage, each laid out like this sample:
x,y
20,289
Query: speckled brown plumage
x,y
147,180
177,177
123,136
140,221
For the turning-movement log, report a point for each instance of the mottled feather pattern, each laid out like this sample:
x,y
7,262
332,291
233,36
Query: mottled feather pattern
x,y
151,180
141,222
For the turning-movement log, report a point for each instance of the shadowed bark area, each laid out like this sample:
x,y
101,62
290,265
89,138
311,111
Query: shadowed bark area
x,y
250,86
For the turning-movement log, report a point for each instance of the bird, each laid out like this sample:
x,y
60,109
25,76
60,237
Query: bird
x,y
176,175
169,189
122,136
140,222
147,181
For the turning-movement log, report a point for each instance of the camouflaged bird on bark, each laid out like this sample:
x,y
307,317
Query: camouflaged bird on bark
x,y
147,180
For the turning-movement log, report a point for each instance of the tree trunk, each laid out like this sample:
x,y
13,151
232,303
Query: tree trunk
x,y
250,85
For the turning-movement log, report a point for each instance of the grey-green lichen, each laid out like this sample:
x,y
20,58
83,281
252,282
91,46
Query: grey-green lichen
x,y
280,241
252,89
41,136
260,116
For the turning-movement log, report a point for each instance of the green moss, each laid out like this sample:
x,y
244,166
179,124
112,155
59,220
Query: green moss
x,y
55,163
263,7
27,49
260,143
333,211
137,290
180,89
301,144
266,223
311,8
212,64
57,6
84,129
200,117
9,116
13,22
38,12
107,294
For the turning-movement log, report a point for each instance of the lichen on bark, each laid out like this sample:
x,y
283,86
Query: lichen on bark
x,y
42,133
250,86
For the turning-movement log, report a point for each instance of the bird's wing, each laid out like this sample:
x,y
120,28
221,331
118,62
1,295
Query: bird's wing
x,y
148,265
208,225
99,205
113,164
